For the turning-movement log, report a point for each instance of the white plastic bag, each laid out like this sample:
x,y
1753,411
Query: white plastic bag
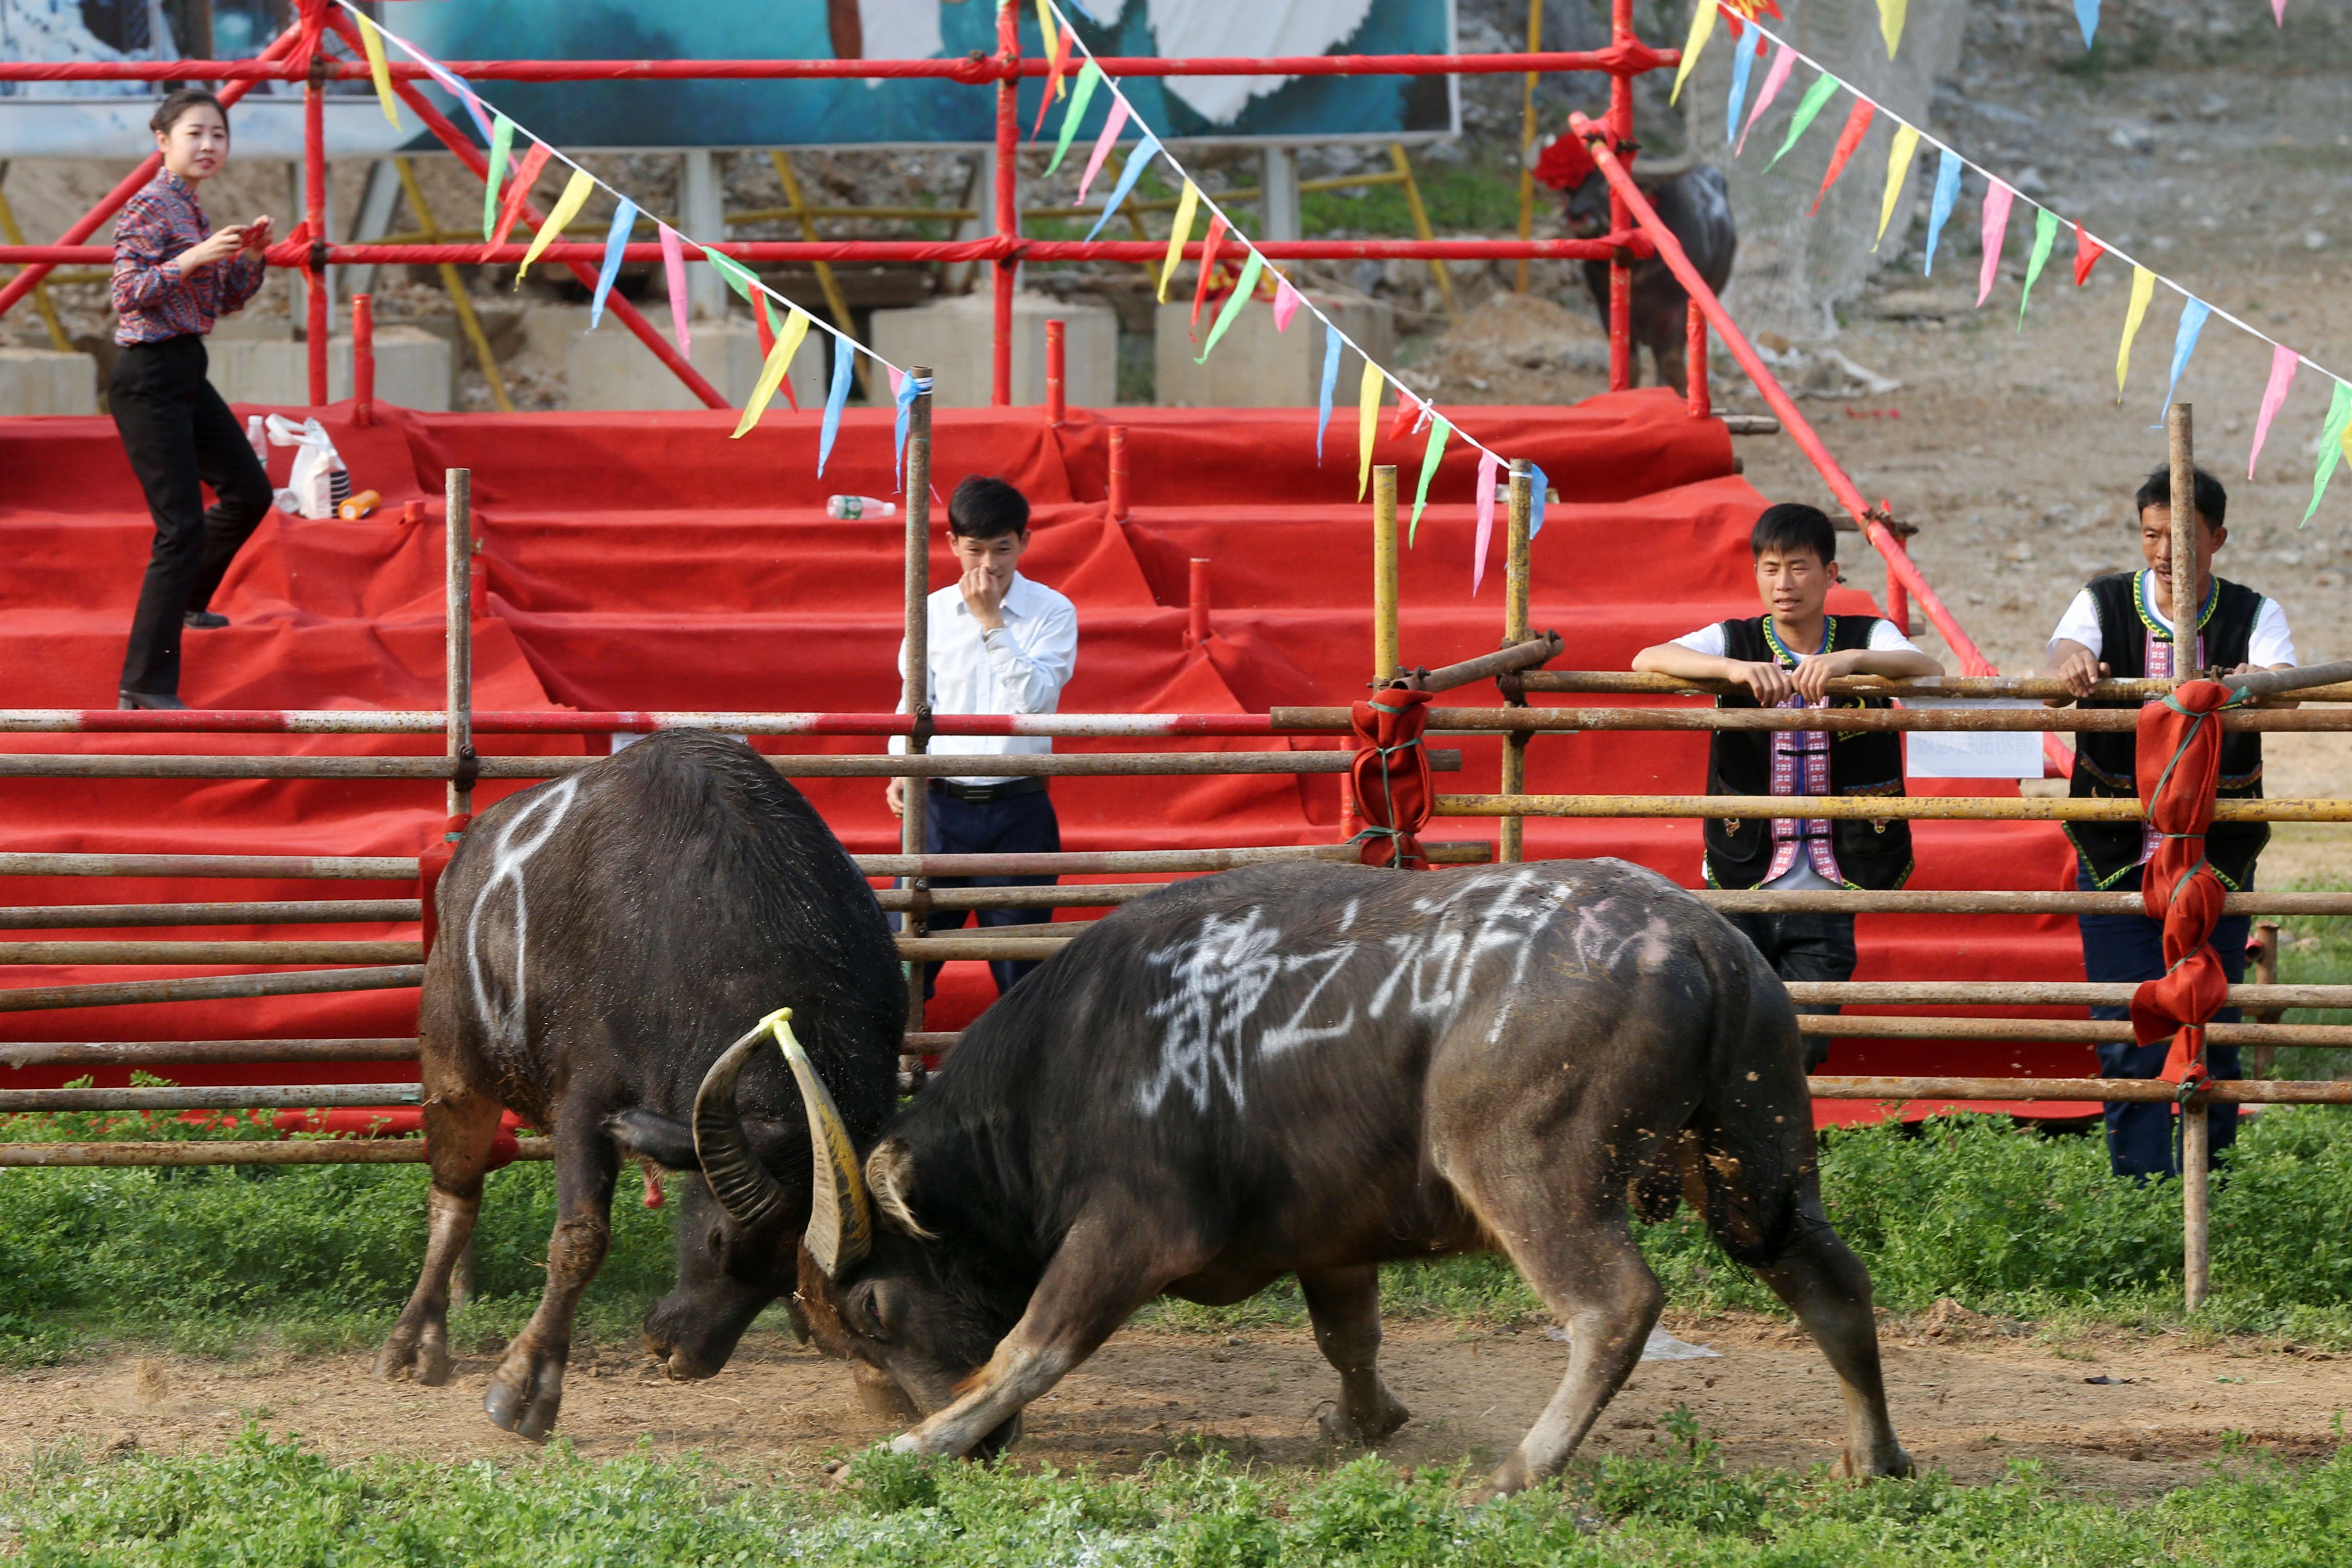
x,y
311,490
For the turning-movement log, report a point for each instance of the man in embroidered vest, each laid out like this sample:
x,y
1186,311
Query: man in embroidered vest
x,y
1786,658
2121,626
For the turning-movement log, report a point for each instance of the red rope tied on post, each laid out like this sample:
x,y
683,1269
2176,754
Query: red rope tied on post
x,y
1390,774
430,866
2179,749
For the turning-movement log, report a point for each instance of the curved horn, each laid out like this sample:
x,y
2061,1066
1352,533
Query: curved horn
x,y
743,1185
841,1218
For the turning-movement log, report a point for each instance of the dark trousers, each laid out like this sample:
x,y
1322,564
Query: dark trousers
x,y
1804,947
2130,948
1023,825
180,435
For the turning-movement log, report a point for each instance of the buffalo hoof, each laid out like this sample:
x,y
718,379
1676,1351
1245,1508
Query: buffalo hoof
x,y
525,1394
1897,1467
1360,1429
423,1356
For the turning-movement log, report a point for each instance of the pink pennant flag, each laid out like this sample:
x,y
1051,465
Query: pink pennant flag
x,y
2282,365
898,380
1777,74
1286,305
674,274
1997,201
1112,124
2278,11
1487,464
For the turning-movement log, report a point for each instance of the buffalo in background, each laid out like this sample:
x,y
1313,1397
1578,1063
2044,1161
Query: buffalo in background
x,y
1694,202
602,937
1318,1070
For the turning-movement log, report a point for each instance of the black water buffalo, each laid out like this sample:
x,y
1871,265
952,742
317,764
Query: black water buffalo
x,y
602,937
1317,1070
1694,202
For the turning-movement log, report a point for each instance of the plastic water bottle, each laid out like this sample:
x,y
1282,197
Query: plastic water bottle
x,y
256,438
852,508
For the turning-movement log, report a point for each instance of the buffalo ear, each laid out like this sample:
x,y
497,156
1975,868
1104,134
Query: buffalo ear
x,y
890,1178
641,1134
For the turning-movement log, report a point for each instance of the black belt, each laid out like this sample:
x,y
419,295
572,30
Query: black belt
x,y
980,795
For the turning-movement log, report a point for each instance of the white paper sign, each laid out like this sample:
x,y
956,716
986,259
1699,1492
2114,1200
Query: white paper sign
x,y
1974,754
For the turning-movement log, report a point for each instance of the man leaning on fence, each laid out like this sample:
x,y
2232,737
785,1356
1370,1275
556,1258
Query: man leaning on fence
x,y
2120,628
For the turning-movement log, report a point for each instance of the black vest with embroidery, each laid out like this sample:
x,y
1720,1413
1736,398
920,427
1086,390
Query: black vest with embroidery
x,y
1874,855
2105,763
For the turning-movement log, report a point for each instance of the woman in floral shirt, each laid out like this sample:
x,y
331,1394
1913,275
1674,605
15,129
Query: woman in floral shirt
x,y
173,275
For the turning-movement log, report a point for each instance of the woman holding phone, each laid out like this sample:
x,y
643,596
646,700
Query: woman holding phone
x,y
172,276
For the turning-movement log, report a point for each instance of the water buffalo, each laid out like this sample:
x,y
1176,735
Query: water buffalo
x,y
1694,202
1317,1070
602,937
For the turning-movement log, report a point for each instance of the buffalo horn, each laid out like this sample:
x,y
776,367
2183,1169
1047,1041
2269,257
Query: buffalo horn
x,y
741,1184
841,1219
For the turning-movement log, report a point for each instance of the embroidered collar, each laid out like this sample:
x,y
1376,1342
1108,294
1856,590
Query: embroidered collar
x,y
1789,656
2142,600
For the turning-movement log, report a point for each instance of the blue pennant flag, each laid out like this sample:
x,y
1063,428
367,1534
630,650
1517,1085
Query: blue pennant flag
x,y
1129,172
910,387
616,239
2086,14
1331,342
837,398
1947,191
1743,60
2184,343
1537,485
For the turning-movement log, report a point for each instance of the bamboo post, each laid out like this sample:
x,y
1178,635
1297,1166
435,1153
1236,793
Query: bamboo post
x,y
458,612
2188,591
1513,845
916,680
1385,657
2196,1199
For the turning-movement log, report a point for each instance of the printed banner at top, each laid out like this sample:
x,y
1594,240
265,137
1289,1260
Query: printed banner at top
x,y
808,114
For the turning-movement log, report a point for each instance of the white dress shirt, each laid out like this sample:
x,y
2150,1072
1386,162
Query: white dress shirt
x,y
1021,668
2270,645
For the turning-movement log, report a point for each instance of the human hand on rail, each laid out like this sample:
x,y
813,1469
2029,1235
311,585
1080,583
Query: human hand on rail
x,y
2080,669
256,234
894,795
1767,681
983,595
1815,671
222,245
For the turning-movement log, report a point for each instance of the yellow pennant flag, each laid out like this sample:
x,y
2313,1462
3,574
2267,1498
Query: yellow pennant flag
x,y
1368,406
1047,32
1702,29
1186,205
567,208
1898,164
2143,289
1890,21
373,42
772,374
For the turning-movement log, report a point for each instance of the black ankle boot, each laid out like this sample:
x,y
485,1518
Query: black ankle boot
x,y
162,702
204,621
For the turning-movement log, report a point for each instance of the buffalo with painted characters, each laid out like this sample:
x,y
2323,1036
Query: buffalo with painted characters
x,y
1315,1071
602,937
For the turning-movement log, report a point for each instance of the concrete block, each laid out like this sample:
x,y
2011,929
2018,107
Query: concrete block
x,y
1255,366
547,333
412,369
956,337
42,381
610,369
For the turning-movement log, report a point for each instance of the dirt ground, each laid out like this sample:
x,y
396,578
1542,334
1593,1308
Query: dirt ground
x,y
1967,1396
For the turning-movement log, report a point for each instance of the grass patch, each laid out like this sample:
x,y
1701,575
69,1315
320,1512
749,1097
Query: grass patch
x,y
213,1259
266,1501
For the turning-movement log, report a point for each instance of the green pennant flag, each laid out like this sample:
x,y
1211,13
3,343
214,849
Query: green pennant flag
x,y
2331,444
1234,304
1438,431
738,276
1817,95
501,159
1090,75
2045,234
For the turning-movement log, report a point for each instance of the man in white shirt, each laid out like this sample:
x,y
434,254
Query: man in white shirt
x,y
1786,657
999,643
2121,626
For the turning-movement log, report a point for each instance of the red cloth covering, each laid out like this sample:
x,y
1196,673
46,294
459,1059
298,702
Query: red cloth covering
x,y
2178,760
1390,773
430,863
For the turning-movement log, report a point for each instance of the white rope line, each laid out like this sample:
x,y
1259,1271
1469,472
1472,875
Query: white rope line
x,y
1943,146
421,57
